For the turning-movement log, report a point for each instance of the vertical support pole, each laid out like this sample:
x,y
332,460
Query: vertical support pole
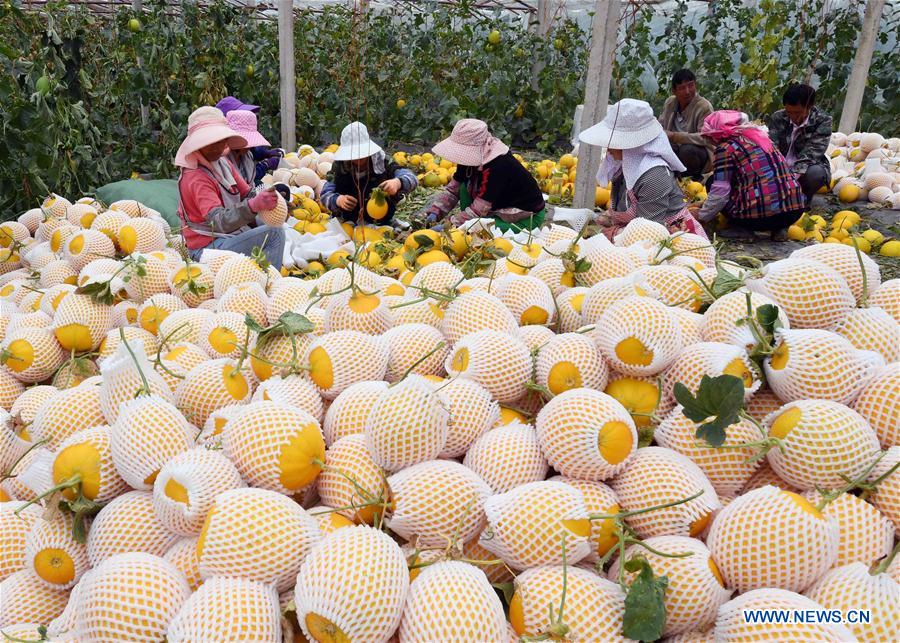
x,y
287,81
138,6
596,95
546,12
856,84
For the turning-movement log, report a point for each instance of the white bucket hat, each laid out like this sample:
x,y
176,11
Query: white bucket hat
x,y
628,124
356,144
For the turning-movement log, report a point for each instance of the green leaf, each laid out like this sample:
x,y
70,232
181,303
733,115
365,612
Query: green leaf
x,y
252,324
716,405
767,316
99,291
645,609
423,241
295,323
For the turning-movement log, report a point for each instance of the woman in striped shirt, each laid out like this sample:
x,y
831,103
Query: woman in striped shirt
x,y
752,184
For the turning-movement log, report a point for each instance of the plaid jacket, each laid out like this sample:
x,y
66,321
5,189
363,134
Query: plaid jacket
x,y
762,185
812,139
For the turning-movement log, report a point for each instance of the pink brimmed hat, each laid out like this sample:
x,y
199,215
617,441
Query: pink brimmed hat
x,y
206,125
470,143
243,122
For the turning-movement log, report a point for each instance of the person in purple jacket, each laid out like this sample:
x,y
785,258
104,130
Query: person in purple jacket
x,y
265,157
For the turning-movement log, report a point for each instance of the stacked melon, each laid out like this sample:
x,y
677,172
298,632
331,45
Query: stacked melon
x,y
376,452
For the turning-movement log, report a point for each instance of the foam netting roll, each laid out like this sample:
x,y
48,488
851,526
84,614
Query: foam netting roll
x,y
507,456
772,538
822,441
476,311
656,476
258,535
356,583
228,609
106,606
348,412
128,371
452,601
851,587
408,424
732,625
810,293
570,360
646,323
729,469
527,525
274,446
148,432
187,486
879,405
586,434
865,534
419,347
594,606
437,501
127,524
500,362
472,413
817,364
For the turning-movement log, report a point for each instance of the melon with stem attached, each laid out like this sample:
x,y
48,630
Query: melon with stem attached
x,y
472,412
342,358
351,482
80,324
52,552
32,354
866,535
639,336
476,311
211,385
771,538
569,361
414,348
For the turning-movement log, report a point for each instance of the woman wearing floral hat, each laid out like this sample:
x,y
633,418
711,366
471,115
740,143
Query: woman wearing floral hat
x,y
641,166
215,203
489,182
258,157
359,167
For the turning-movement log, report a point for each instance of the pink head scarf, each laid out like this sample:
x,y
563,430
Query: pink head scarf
x,y
728,123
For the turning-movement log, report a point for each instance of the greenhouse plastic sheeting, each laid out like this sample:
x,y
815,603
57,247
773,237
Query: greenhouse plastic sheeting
x,y
159,194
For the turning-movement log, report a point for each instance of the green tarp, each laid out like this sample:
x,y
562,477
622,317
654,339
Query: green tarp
x,y
159,194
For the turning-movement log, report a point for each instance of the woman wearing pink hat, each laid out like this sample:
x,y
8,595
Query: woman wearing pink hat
x,y
215,205
489,182
258,157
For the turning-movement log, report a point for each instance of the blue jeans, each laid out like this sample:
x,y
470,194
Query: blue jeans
x,y
270,239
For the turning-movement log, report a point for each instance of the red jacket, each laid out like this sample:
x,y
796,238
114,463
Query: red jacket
x,y
201,202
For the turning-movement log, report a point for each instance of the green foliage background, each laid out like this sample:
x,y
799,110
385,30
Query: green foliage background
x,y
85,129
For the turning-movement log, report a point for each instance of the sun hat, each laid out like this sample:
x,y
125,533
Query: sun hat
x,y
628,124
355,143
470,143
206,125
230,103
243,122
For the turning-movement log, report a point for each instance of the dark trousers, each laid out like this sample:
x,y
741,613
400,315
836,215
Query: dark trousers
x,y
694,158
764,224
814,178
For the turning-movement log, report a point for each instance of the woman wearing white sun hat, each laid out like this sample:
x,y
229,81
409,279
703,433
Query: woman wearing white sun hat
x,y
641,166
360,166
215,203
